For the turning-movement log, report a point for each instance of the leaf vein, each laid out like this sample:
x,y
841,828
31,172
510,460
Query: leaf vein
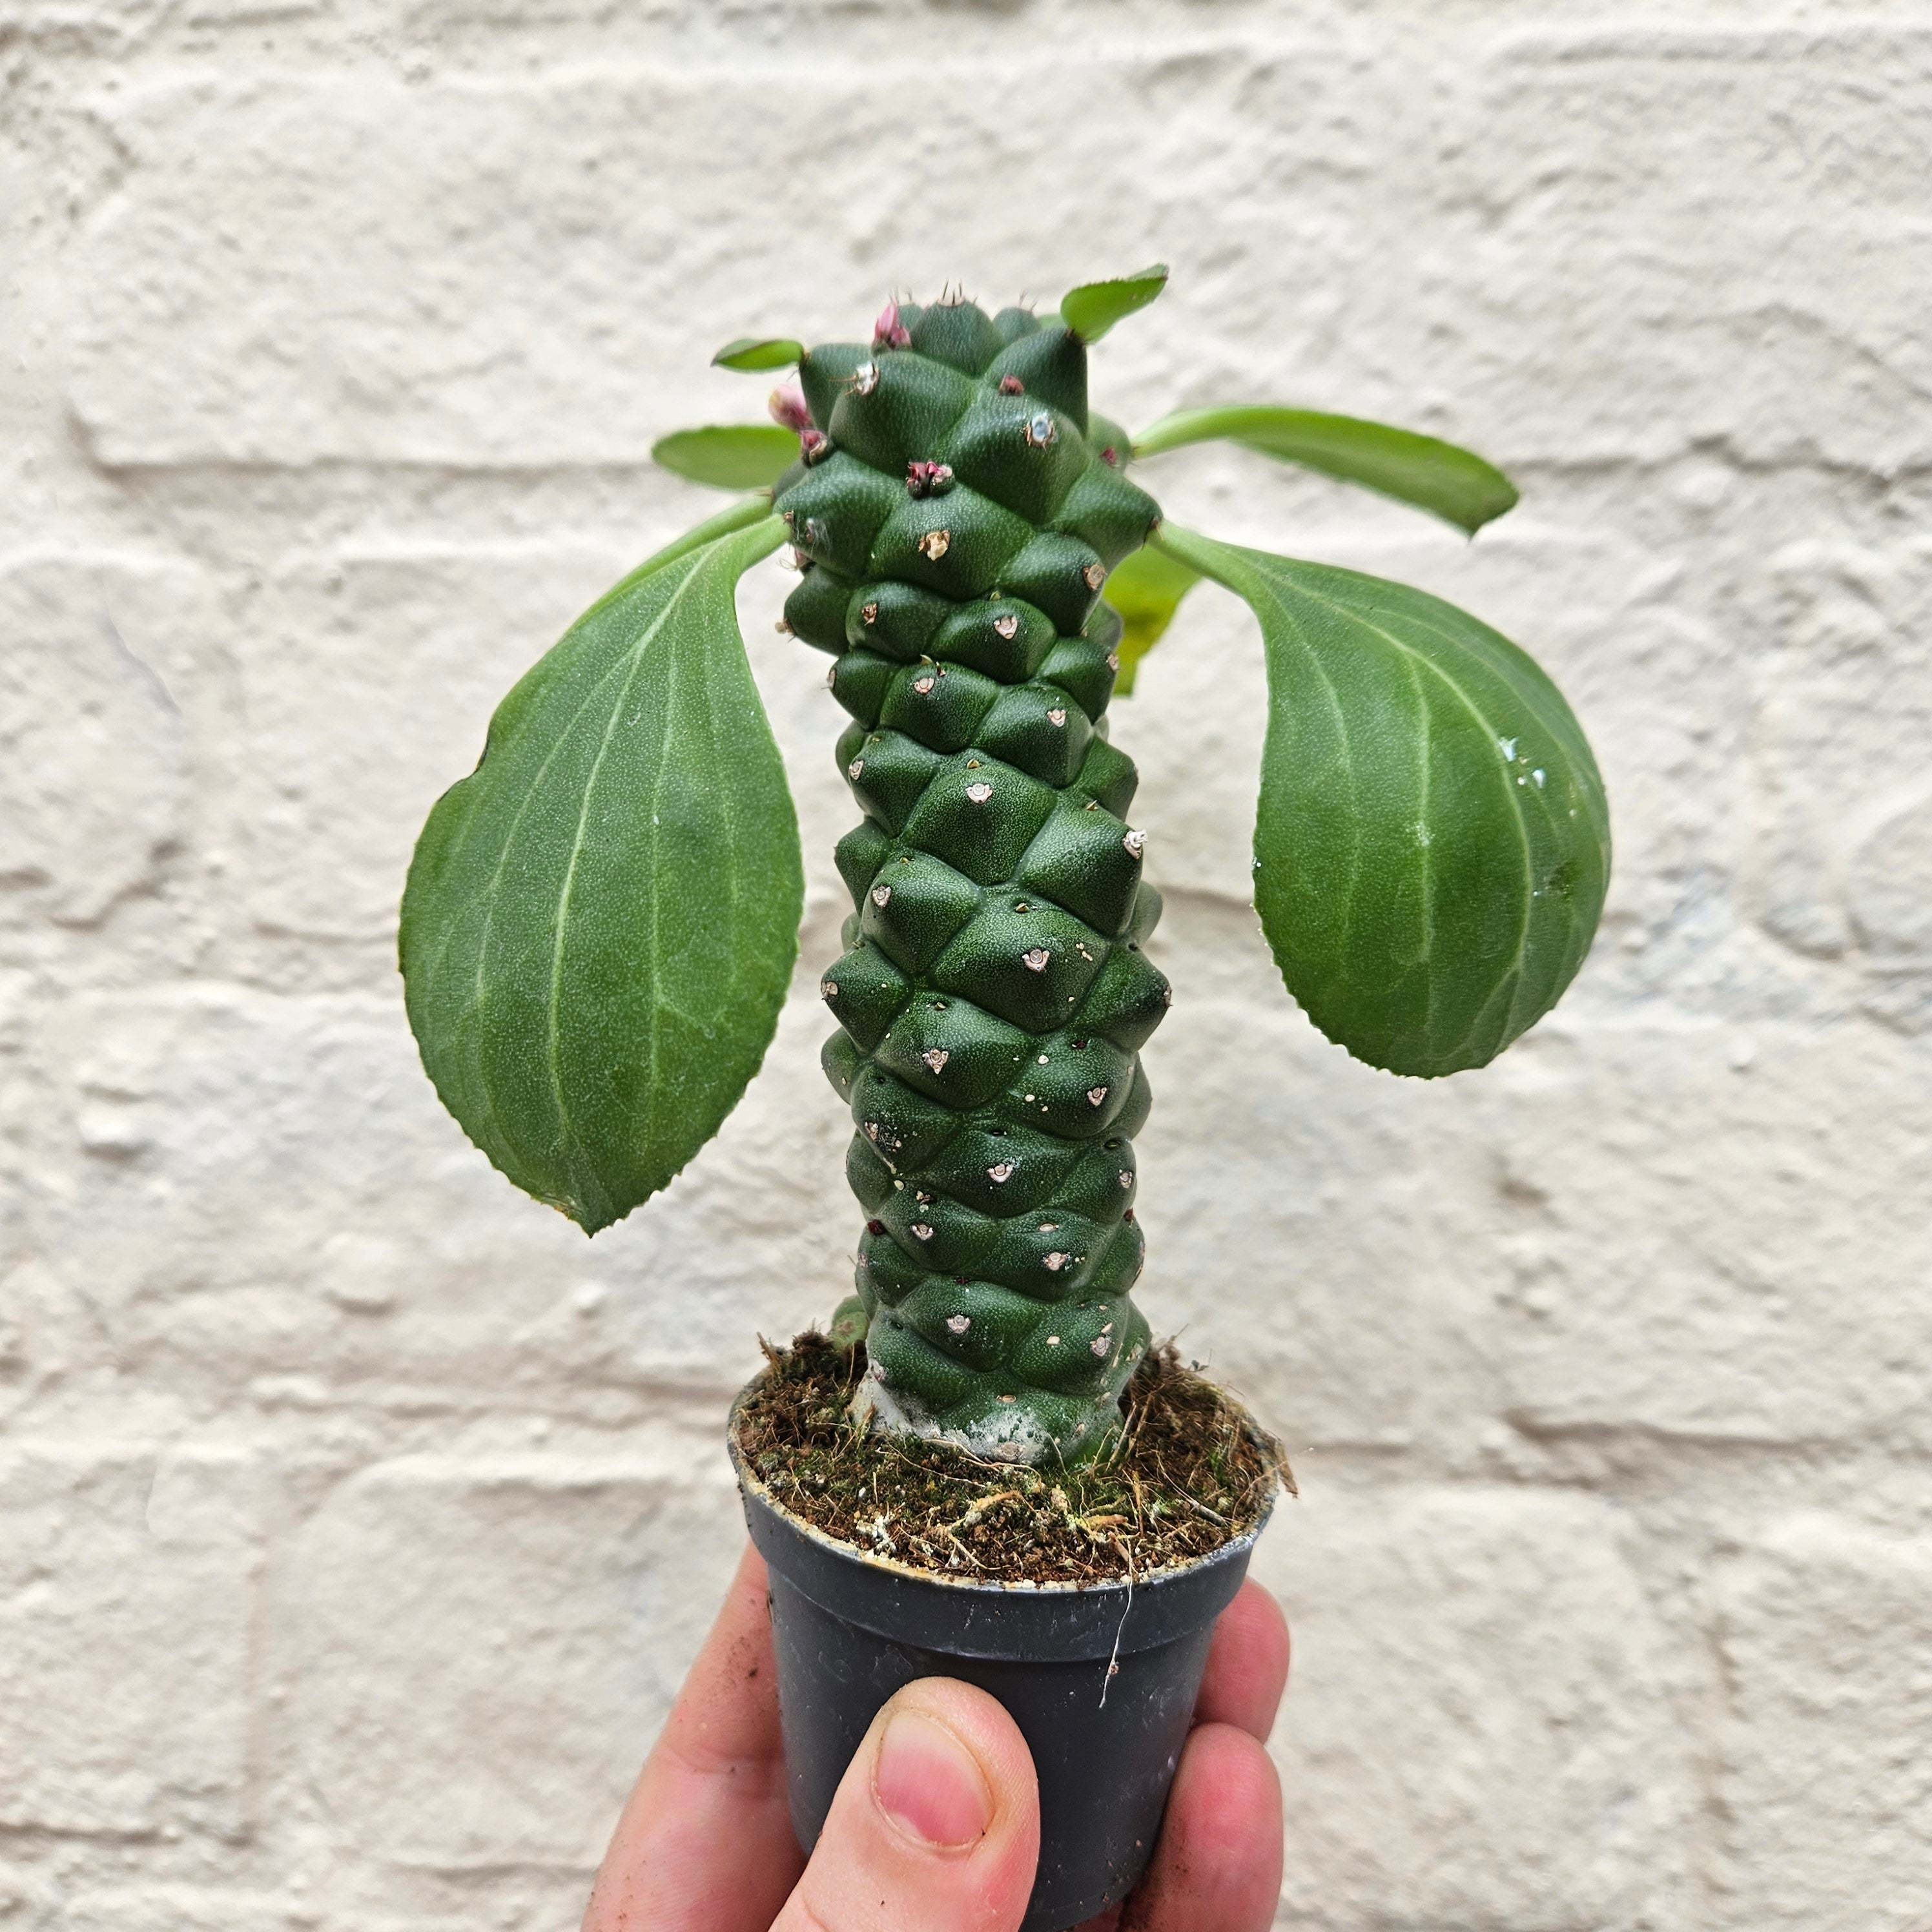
x,y
636,654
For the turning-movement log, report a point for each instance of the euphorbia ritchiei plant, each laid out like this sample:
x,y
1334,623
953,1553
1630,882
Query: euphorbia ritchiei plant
x,y
601,922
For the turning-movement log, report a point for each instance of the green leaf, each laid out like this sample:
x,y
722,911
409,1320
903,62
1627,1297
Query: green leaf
x,y
1093,308
736,456
600,920
1146,589
750,353
1454,483
1433,844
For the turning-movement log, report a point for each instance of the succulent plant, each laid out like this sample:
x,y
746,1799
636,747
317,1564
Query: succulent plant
x,y
600,921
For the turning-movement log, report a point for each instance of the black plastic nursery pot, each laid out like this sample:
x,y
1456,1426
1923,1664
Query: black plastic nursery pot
x,y
1100,1678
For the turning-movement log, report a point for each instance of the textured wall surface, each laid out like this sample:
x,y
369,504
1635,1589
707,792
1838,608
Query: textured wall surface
x,y
357,1517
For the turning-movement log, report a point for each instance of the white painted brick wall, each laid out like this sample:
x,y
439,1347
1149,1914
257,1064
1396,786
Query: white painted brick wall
x,y
357,1518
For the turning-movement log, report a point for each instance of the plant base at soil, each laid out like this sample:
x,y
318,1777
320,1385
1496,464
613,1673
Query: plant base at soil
x,y
1190,1472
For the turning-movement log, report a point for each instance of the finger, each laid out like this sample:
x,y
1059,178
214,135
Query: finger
x,y
935,1826
1217,1867
1247,1664
705,1842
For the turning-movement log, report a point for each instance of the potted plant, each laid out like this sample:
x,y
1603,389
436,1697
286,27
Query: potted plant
x,y
601,922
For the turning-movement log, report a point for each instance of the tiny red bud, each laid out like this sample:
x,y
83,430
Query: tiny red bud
x,y
788,406
889,332
928,479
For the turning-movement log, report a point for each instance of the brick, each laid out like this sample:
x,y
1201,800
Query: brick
x,y
47,1333
368,681
92,738
225,1239
1824,1784
183,1909
285,1195
558,318
531,340
1677,1259
1479,1732
143,1725
549,312
1642,1228
1288,1242
478,1653
1887,894
1622,146
1844,841
22,1891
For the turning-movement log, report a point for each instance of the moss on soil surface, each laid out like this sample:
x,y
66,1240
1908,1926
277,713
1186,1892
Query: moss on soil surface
x,y
1190,1472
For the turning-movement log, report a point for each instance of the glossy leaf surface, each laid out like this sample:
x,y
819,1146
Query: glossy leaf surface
x,y
1146,589
1453,483
750,353
734,456
1433,842
1093,308
601,920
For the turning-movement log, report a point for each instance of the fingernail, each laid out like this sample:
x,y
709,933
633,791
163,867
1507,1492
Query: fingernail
x,y
929,1784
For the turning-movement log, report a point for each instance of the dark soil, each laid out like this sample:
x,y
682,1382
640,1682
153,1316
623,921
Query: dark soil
x,y
1190,1472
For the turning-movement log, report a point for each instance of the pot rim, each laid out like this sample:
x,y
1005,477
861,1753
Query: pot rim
x,y
995,1587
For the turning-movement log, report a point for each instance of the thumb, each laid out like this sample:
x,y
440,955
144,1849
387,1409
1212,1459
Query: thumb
x,y
934,1827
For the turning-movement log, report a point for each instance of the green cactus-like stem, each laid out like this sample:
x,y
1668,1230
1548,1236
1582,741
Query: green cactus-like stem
x,y
956,513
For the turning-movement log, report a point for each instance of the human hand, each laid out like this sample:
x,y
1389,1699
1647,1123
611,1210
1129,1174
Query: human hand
x,y
936,1825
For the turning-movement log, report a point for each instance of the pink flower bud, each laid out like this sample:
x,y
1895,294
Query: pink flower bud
x,y
889,332
788,406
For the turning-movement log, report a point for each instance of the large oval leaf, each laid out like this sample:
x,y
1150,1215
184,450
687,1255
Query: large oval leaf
x,y
1454,483
1432,843
601,920
729,456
